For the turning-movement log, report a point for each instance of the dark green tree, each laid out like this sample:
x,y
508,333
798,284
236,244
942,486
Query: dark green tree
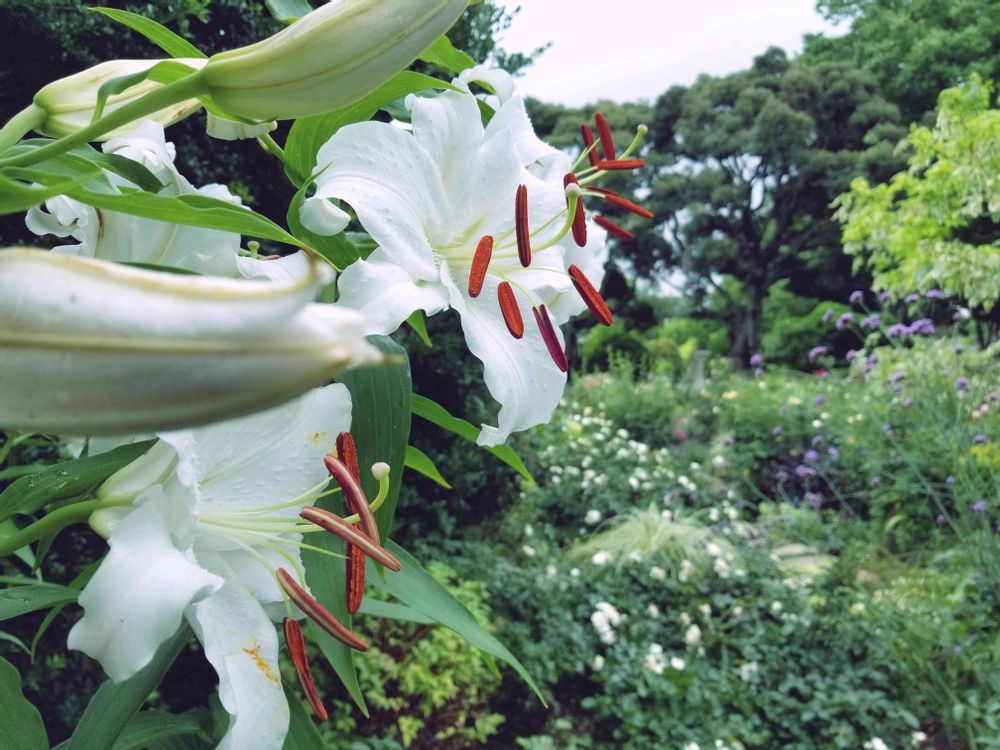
x,y
743,170
913,48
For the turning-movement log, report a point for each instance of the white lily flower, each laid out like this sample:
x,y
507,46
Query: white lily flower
x,y
127,238
500,82
91,347
205,522
440,203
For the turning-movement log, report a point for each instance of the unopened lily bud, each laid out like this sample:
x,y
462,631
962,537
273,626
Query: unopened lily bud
x,y
327,59
69,103
91,347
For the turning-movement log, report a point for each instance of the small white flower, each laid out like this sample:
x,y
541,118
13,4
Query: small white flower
x,y
692,746
574,572
817,424
600,558
693,635
529,530
737,611
776,607
713,515
705,610
687,568
593,516
918,738
677,663
685,618
748,670
658,573
713,549
551,570
666,515
653,611
732,514
721,568
875,743
598,663
528,550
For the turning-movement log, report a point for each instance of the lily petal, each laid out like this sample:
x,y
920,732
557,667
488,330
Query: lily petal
x,y
137,597
88,347
241,644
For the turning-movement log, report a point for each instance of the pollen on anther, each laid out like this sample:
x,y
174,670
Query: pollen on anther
x,y
580,217
480,264
511,312
297,650
588,142
620,165
521,225
604,133
612,228
591,297
550,338
635,208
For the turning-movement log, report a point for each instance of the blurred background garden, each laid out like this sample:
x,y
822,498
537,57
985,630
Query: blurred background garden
x,y
767,513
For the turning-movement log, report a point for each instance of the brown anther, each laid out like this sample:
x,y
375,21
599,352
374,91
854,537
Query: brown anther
x,y
355,579
617,200
521,225
604,133
550,338
619,165
588,142
354,496
612,228
297,650
347,452
580,217
480,263
511,312
338,526
317,612
591,297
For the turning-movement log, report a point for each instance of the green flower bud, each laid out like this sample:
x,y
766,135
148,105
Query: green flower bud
x,y
327,59
69,103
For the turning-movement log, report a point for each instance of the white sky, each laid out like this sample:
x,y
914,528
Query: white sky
x,y
632,49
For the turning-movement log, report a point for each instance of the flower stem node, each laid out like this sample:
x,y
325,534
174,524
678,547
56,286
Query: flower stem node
x,y
328,58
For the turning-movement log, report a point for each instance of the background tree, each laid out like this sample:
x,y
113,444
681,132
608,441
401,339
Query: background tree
x,y
913,48
744,169
937,224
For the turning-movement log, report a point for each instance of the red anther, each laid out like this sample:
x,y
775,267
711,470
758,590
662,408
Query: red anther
x,y
617,200
347,452
511,312
317,612
549,337
604,133
580,217
588,141
591,297
620,165
297,650
355,580
338,526
480,263
354,496
521,225
612,228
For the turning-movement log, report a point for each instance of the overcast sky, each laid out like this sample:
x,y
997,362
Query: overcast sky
x,y
633,49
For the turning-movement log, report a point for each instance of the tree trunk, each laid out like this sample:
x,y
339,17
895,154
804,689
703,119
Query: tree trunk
x,y
751,326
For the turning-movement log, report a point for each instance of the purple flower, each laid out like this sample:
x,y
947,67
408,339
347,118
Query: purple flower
x,y
933,294
973,576
757,360
992,397
907,402
811,456
828,315
851,354
956,650
856,296
817,439
802,471
819,400
759,372
778,429
872,360
871,321
832,452
962,384
781,475
897,329
978,507
950,480
922,327
884,296
911,298
727,440
897,376
814,499
897,389
874,481
940,518
978,439
843,320
816,352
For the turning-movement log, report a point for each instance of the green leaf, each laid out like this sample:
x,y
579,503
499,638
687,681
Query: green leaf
x,y
308,134
16,196
338,250
167,71
418,589
393,611
287,11
437,414
25,554
161,36
20,600
85,160
192,210
21,726
153,726
302,732
419,325
445,54
113,705
419,461
75,478
380,423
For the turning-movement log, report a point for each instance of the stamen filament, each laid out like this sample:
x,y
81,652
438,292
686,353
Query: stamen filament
x,y
640,136
578,214
317,612
338,526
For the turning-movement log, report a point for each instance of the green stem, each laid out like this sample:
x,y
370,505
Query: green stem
x,y
20,125
188,87
271,146
50,524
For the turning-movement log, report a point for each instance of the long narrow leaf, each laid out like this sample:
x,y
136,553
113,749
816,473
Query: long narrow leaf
x,y
20,600
421,463
21,725
161,36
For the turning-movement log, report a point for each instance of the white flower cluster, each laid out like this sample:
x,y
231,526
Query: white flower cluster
x,y
605,619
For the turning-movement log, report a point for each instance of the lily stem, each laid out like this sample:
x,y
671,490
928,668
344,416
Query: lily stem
x,y
50,524
20,125
187,87
271,146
